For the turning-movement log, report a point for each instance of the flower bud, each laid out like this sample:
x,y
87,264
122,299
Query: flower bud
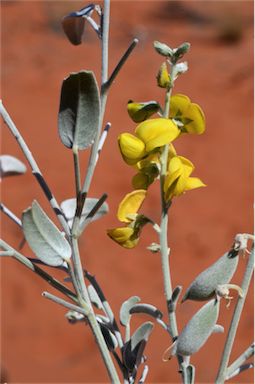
x,y
163,77
163,49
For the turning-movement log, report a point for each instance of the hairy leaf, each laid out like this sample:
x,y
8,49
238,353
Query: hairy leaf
x,y
79,110
10,166
44,237
125,308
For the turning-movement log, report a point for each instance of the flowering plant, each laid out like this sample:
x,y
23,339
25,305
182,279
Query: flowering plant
x,y
151,151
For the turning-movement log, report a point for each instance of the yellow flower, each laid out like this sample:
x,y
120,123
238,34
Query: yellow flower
x,y
124,236
128,236
189,115
149,136
141,111
129,206
178,178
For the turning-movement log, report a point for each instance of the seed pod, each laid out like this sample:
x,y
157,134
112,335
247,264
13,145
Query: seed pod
x,y
197,331
221,272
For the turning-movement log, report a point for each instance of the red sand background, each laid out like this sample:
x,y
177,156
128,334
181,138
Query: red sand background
x,y
38,345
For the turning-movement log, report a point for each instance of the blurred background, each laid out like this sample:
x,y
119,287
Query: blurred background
x,y
38,344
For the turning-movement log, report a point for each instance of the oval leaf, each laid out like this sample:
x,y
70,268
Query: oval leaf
x,y
69,207
198,329
221,272
125,308
44,237
10,166
79,110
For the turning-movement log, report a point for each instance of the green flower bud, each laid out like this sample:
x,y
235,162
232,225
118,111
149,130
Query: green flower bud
x,y
163,49
163,77
181,50
221,272
197,331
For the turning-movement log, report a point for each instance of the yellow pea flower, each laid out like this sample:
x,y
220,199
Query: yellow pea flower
x,y
131,147
149,136
124,236
128,236
178,178
157,133
142,111
129,206
189,114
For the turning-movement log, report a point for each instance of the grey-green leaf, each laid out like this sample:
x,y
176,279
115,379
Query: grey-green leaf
x,y
142,333
79,110
10,166
69,207
125,308
44,238
221,272
197,331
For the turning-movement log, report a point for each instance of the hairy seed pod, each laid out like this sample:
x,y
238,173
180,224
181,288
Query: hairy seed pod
x,y
197,331
221,272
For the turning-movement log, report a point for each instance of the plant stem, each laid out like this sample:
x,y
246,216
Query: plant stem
x,y
10,214
40,272
77,169
249,352
222,373
60,301
85,302
35,169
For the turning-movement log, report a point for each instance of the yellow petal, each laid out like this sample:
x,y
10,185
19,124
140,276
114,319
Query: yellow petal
x,y
142,111
157,133
197,117
188,166
170,183
193,182
178,105
130,205
175,164
131,148
123,236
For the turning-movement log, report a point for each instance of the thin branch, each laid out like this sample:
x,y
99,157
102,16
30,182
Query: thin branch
x,y
221,376
40,272
60,301
102,140
10,214
249,352
121,63
35,169
77,169
239,370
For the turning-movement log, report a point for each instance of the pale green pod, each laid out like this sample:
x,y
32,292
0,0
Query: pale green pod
x,y
195,334
221,272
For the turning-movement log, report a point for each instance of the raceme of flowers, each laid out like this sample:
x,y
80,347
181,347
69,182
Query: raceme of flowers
x,y
143,149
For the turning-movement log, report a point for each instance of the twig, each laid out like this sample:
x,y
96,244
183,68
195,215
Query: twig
x,y
239,370
102,140
77,169
40,272
121,63
60,301
10,214
35,169
221,376
249,352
